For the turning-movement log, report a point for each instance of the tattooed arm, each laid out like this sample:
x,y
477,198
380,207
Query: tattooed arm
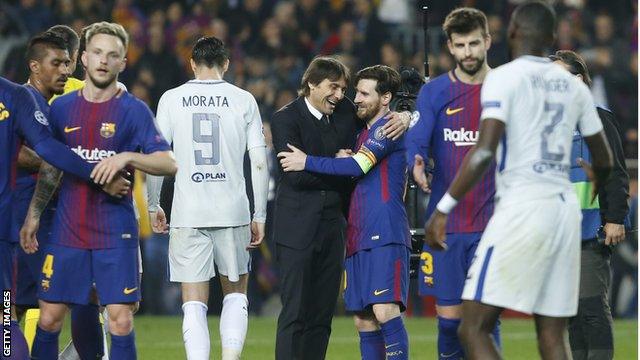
x,y
28,159
48,180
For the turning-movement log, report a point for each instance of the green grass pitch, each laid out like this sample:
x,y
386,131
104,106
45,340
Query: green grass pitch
x,y
160,337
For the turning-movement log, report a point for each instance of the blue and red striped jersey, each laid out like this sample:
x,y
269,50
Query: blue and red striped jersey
x,y
445,131
26,179
86,217
377,216
20,118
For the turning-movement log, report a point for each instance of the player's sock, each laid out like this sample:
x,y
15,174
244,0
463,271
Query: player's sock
x,y
86,331
396,340
449,346
496,335
31,318
195,330
233,325
372,345
45,345
123,347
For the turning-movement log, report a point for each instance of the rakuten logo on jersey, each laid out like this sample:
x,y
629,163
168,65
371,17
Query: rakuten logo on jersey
x,y
92,155
461,137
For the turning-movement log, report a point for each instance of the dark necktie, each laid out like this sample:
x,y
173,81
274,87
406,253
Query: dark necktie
x,y
325,119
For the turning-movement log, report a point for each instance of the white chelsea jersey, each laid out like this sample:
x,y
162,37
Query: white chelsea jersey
x,y
541,104
211,125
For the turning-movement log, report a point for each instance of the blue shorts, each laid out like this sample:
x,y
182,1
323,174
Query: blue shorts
x,y
68,274
443,273
30,266
8,267
377,276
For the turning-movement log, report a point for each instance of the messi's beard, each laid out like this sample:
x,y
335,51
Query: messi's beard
x,y
369,113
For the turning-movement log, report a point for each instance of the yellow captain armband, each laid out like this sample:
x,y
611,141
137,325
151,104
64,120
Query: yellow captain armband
x,y
72,84
365,159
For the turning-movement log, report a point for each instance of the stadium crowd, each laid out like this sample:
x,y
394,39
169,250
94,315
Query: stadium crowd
x,y
272,41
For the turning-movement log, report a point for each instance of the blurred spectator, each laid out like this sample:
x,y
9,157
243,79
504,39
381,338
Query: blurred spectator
x,y
34,15
371,28
161,63
499,51
391,55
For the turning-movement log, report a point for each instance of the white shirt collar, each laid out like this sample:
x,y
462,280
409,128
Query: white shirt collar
x,y
317,114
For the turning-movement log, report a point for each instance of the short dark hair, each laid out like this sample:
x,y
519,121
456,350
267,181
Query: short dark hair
x,y
536,21
38,45
575,62
465,20
320,68
69,35
388,79
210,52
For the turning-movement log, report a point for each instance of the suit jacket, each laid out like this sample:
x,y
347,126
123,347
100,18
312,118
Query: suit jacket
x,y
301,196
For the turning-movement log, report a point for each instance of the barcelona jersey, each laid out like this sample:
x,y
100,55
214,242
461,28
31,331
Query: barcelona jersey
x,y
20,118
445,131
377,216
86,217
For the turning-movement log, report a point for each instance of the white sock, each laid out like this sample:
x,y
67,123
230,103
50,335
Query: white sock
x,y
69,353
233,325
105,329
195,330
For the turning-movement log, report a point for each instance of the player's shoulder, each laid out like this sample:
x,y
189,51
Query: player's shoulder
x,y
7,85
438,83
13,92
131,102
64,100
234,90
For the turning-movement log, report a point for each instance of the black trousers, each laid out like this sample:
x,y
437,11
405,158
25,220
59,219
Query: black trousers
x,y
309,287
591,330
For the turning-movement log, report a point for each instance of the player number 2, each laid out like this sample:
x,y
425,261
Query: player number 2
x,y
427,267
47,267
549,151
206,130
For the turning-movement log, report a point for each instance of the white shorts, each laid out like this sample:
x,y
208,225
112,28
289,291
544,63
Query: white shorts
x,y
528,259
194,251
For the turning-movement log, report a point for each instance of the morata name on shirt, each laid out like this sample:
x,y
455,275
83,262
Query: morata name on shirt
x,y
201,100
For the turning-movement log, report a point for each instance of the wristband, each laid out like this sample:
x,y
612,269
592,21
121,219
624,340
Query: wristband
x,y
446,204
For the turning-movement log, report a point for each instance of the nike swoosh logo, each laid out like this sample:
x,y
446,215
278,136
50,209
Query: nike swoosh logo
x,y
444,356
453,111
71,129
394,344
128,291
379,292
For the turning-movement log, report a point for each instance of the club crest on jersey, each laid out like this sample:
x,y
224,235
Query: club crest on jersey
x,y
4,112
107,130
379,134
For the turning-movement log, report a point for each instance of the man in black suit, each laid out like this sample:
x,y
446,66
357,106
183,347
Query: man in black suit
x,y
309,221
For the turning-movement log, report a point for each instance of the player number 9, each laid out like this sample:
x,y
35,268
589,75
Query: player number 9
x,y
427,266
